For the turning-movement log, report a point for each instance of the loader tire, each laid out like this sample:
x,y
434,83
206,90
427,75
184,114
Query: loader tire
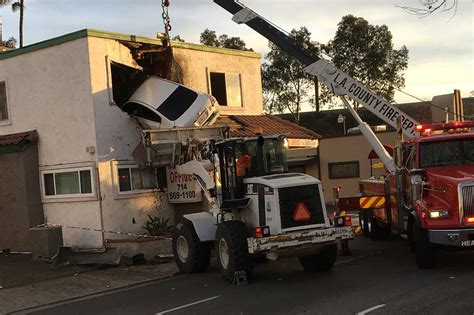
x,y
232,249
190,254
322,261
424,250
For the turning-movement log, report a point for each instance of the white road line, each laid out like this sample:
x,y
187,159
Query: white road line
x,y
187,305
373,308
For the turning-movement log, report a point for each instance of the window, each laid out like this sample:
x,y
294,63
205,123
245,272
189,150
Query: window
x,y
226,88
3,101
141,111
131,178
343,170
68,183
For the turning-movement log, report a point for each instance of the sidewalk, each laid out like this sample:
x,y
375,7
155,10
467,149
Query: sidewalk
x,y
28,284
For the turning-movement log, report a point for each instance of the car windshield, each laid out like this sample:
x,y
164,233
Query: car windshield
x,y
444,153
274,156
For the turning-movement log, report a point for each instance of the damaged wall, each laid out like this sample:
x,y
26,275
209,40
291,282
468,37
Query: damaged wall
x,y
197,61
117,136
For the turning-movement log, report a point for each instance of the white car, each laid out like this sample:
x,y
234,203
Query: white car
x,y
160,103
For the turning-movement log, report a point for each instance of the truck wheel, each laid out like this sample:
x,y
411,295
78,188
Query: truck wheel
x,y
232,249
364,223
190,254
322,261
377,230
424,250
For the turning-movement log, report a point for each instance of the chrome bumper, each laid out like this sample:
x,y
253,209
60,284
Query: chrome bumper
x,y
306,238
457,237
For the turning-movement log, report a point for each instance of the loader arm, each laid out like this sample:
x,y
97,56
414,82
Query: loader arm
x,y
336,80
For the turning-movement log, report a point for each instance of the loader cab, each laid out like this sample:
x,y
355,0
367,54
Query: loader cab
x,y
241,158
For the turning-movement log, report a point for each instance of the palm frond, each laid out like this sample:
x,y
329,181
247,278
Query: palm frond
x,y
16,6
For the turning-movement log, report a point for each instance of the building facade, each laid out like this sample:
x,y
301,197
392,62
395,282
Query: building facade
x,y
63,89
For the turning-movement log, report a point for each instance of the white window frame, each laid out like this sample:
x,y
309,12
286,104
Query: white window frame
x,y
116,165
226,73
68,197
8,121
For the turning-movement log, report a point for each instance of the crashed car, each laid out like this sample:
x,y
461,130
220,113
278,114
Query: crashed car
x,y
159,103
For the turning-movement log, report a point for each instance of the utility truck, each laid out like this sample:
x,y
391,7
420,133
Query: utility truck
x,y
428,192
256,208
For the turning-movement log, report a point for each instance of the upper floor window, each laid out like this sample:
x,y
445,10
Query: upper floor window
x,y
3,101
226,88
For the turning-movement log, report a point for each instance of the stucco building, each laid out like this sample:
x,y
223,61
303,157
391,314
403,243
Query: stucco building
x,y
63,90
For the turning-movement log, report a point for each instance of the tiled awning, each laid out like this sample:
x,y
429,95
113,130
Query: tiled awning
x,y
16,142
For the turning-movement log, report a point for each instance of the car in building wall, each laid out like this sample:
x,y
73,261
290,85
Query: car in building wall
x,y
160,103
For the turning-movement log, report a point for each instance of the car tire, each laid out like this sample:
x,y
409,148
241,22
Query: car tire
x,y
322,261
190,254
424,250
232,249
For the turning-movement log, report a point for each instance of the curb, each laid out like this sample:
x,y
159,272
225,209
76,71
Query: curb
x,y
92,295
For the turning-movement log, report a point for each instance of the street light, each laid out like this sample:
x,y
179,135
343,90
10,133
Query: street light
x,y
342,120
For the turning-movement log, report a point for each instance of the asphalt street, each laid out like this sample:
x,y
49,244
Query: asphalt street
x,y
379,278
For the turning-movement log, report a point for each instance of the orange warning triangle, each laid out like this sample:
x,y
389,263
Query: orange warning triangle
x,y
302,213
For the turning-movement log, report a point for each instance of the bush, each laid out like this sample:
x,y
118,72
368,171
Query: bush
x,y
156,226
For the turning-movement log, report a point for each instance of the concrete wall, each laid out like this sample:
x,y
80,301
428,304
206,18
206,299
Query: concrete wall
x,y
344,149
117,136
20,206
197,64
49,91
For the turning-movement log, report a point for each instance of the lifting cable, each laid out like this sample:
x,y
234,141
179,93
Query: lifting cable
x,y
166,18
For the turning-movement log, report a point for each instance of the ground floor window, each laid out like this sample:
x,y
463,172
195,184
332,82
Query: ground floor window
x,y
131,178
349,169
69,182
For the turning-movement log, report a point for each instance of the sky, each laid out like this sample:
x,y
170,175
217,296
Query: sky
x,y
441,46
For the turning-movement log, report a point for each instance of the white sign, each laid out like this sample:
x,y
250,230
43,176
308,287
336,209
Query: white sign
x,y
182,188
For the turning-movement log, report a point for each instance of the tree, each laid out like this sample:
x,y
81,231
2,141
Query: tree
x,y
16,6
366,53
10,43
430,6
209,38
286,86
178,39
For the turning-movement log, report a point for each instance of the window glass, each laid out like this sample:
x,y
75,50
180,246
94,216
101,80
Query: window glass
x,y
49,184
136,179
343,170
234,94
3,101
67,183
124,179
177,103
141,111
440,153
86,183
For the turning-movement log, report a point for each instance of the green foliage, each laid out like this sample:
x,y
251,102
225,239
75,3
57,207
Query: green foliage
x,y
157,226
286,86
209,38
366,53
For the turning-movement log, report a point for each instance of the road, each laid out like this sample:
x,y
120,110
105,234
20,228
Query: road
x,y
379,278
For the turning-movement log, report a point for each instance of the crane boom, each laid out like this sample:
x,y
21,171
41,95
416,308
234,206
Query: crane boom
x,y
336,80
